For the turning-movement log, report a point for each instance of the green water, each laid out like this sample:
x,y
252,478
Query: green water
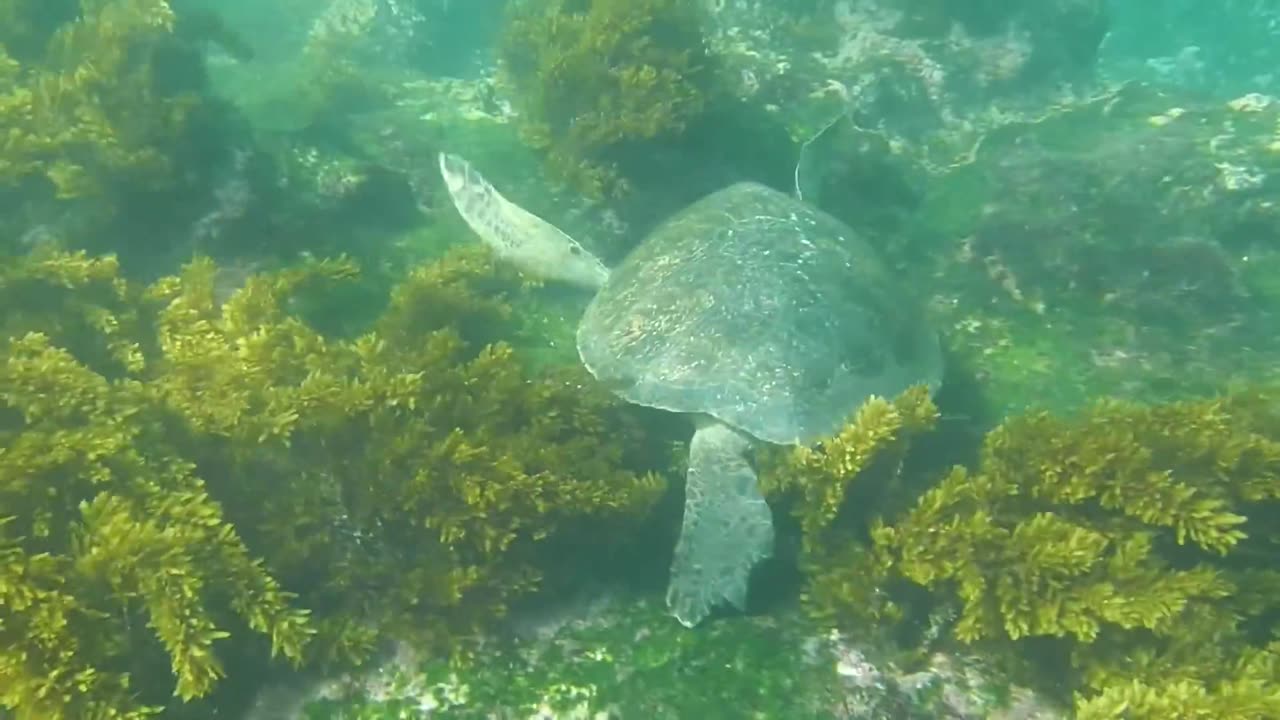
x,y
281,436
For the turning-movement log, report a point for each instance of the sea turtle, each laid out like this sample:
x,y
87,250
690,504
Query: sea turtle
x,y
758,315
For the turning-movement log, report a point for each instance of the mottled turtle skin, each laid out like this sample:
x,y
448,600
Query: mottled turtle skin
x,y
761,311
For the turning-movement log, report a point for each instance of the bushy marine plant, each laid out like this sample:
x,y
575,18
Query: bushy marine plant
x,y
820,475
87,112
1134,546
179,468
816,482
419,470
594,79
110,543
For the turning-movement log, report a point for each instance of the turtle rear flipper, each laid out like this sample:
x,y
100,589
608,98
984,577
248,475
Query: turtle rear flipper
x,y
727,526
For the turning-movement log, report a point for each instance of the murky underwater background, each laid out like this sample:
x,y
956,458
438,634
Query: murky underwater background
x,y
280,438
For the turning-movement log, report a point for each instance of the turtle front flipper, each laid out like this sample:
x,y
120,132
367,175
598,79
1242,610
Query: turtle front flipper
x,y
515,234
727,526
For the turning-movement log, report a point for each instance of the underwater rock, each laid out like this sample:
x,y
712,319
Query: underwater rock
x,y
370,31
447,38
917,72
625,659
1128,243
324,175
918,83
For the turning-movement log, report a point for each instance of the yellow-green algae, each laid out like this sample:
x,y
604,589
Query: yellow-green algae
x,y
593,78
1126,555
84,111
179,475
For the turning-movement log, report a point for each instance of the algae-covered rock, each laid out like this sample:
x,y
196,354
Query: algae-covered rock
x,y
928,75
1122,245
626,659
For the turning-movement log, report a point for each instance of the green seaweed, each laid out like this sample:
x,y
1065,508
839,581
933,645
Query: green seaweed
x,y
87,112
1129,548
184,468
111,541
595,78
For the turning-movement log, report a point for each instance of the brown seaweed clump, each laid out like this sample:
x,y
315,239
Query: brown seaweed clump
x,y
185,480
1129,551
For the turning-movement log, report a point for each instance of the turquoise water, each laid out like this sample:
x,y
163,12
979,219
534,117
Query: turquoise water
x,y
297,418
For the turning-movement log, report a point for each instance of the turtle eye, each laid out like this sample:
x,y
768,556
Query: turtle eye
x,y
575,250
